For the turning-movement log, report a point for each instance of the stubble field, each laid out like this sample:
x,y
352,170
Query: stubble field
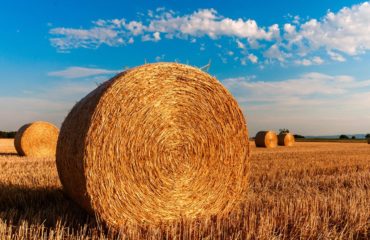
x,y
310,191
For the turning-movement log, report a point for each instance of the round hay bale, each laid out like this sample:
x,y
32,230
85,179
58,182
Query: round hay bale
x,y
286,139
155,143
368,140
266,139
38,139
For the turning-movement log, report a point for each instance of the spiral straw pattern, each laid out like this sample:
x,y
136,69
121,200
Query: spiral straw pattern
x,y
266,139
38,139
286,139
155,143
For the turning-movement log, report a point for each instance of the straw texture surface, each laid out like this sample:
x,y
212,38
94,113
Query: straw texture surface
x,y
286,139
155,143
266,139
38,139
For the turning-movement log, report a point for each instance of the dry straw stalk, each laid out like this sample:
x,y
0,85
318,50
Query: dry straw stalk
x,y
38,139
155,143
266,139
286,139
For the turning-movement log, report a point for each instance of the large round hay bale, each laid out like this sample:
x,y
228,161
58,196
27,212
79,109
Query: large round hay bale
x,y
155,143
38,139
368,140
266,139
286,139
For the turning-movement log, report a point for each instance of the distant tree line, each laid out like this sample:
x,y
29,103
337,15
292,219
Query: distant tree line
x,y
353,137
296,136
7,134
286,130
344,137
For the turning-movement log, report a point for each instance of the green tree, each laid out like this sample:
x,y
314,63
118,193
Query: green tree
x,y
298,136
283,130
7,134
343,136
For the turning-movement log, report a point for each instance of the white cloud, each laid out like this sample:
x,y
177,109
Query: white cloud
x,y
346,31
240,44
68,38
317,60
204,22
303,62
207,22
338,35
274,52
289,29
253,58
230,53
308,62
336,56
296,19
157,36
135,27
80,72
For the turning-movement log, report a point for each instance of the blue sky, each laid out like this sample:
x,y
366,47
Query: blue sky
x,y
302,65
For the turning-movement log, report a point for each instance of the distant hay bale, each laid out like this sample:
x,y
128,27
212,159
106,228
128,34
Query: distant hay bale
x,y
368,140
266,139
38,139
154,143
286,139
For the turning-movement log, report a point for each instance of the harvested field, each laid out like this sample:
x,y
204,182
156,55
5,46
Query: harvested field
x,y
311,191
7,147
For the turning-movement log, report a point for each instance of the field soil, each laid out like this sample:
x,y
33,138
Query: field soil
x,y
314,190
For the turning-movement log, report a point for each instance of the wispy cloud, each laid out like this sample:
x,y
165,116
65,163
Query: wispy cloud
x,y
53,101
81,72
48,103
336,56
306,102
84,38
308,62
17,111
253,58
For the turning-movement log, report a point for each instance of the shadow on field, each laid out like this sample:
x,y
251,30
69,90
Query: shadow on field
x,y
8,154
46,206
